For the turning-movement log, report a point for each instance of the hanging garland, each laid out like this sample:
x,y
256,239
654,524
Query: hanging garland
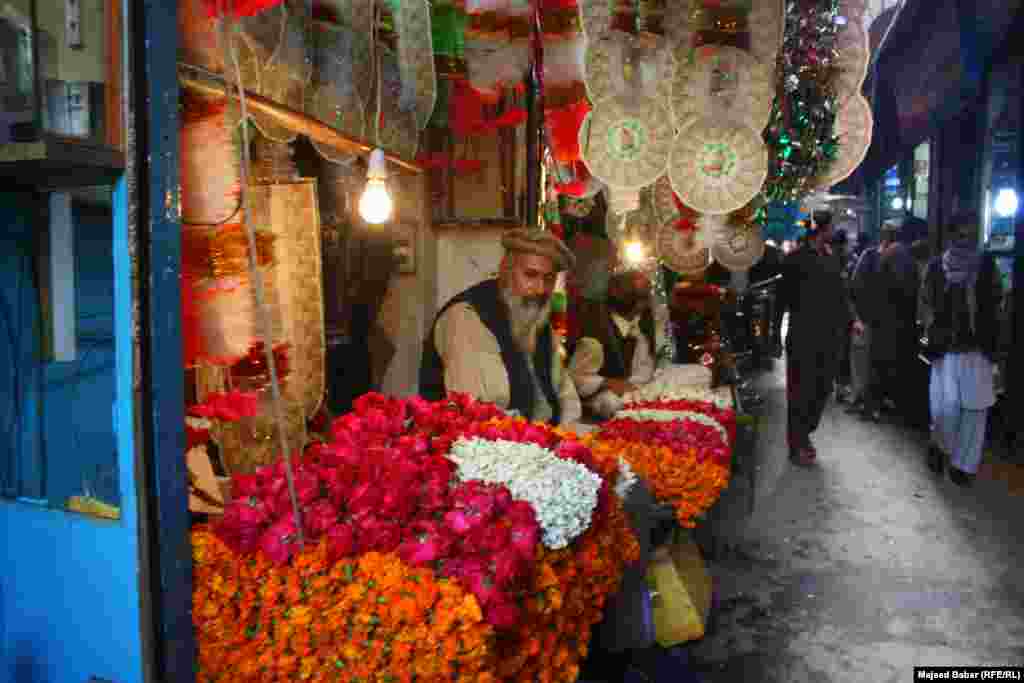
x,y
800,136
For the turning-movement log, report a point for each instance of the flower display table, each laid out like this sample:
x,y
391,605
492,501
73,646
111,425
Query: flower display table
x,y
437,541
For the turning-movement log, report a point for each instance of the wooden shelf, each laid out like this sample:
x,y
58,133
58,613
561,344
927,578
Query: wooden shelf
x,y
56,162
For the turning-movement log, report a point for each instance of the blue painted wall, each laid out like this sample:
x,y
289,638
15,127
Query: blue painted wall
x,y
70,585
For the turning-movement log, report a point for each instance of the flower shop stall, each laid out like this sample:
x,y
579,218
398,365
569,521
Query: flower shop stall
x,y
410,540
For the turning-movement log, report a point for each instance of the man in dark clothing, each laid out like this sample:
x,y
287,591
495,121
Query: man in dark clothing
x,y
494,340
891,313
625,329
813,293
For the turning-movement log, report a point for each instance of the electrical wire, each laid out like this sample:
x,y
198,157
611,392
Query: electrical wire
x,y
263,315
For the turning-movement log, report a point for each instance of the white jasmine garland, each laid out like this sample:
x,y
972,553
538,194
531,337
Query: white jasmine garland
x,y
563,493
720,397
670,415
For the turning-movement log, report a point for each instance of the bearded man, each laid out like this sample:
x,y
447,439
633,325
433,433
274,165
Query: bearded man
x,y
494,340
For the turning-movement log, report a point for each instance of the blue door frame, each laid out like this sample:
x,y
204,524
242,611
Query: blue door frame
x,y
161,397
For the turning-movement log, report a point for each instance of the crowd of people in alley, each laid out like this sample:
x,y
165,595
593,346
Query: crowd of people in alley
x,y
894,331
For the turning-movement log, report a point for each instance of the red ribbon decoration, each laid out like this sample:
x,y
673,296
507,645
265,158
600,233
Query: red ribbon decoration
x,y
239,8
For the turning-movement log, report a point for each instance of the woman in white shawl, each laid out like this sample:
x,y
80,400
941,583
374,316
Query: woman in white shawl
x,y
959,308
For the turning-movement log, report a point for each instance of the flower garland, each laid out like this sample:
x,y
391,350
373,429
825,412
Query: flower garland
x,y
685,462
672,415
563,493
709,412
425,577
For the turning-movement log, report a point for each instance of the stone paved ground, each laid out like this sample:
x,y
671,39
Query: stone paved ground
x,y
862,567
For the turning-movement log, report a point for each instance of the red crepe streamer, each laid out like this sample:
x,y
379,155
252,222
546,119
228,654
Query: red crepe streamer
x,y
239,8
564,130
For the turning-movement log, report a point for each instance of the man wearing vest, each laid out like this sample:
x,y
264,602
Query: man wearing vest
x,y
624,329
494,340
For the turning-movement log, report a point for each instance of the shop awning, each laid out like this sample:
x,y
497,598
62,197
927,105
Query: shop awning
x,y
929,70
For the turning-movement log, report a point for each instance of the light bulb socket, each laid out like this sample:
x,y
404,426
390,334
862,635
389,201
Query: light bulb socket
x,y
377,168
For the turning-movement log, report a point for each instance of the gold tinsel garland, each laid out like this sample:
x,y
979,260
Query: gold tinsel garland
x,y
223,252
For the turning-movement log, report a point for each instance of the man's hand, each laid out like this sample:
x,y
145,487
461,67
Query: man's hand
x,y
858,327
619,387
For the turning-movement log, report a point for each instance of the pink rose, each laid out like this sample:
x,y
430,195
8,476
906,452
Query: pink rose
x,y
427,542
280,541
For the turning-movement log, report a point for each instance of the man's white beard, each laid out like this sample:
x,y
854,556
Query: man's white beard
x,y
527,316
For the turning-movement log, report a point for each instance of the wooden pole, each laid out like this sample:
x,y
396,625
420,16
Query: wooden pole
x,y
295,121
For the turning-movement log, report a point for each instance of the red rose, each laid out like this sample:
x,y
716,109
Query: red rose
x,y
509,566
319,517
341,541
245,485
502,612
378,534
364,499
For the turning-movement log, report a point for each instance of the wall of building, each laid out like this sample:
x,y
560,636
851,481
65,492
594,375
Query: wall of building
x,y
70,585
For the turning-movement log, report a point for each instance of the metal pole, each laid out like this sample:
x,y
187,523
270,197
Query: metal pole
x,y
532,150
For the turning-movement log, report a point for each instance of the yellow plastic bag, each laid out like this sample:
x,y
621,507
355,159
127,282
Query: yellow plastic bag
x,y
680,591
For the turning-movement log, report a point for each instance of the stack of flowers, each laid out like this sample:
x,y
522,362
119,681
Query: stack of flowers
x,y
706,412
441,540
680,449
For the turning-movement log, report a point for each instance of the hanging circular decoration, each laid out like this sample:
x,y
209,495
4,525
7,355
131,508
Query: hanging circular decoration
x,y
853,129
595,18
626,141
603,72
682,250
723,82
398,127
718,166
852,63
622,201
333,97
767,22
665,205
416,59
738,246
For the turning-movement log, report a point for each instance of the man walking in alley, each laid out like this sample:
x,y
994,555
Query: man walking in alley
x,y
813,292
891,314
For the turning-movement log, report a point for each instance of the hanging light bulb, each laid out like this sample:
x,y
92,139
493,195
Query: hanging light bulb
x,y
635,252
375,206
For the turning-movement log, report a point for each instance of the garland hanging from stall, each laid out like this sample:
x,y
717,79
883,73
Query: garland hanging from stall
x,y
800,135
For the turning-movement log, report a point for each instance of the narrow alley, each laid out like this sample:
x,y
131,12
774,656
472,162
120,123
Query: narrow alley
x,y
864,566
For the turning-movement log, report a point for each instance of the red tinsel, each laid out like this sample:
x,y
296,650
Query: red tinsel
x,y
564,130
575,188
438,161
227,407
239,8
191,341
